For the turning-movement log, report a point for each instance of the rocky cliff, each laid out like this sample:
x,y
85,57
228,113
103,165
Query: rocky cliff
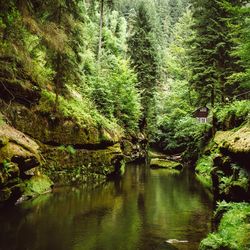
x,y
64,148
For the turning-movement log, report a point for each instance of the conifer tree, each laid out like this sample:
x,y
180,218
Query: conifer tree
x,y
142,49
239,25
212,62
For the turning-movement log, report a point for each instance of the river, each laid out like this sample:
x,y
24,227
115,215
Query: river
x,y
141,210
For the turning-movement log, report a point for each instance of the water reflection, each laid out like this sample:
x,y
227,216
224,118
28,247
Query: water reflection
x,y
140,211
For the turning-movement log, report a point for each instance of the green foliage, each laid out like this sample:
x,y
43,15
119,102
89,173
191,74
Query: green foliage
x,y
78,108
239,178
212,63
69,149
233,231
116,96
187,133
56,45
143,51
239,26
237,110
6,168
175,129
203,168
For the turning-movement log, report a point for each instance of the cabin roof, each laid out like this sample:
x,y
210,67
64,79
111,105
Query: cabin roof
x,y
201,112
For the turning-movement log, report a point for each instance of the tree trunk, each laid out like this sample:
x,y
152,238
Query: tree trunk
x,y
100,31
212,104
57,80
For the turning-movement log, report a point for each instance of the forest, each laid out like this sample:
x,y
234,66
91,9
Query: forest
x,y
91,88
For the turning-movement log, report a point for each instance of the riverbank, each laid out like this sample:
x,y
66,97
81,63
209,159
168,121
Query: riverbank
x,y
64,149
224,169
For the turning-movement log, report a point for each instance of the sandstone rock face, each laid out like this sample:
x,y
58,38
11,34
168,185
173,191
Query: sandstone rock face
x,y
229,152
81,165
71,151
235,141
52,129
18,154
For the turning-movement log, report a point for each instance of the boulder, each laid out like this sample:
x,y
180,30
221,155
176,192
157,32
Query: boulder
x,y
162,163
18,154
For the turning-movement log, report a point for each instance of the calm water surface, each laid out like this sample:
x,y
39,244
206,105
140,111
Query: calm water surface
x,y
140,211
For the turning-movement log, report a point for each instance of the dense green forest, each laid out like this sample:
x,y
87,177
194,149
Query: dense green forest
x,y
96,84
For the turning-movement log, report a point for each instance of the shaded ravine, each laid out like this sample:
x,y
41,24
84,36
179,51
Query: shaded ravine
x,y
140,211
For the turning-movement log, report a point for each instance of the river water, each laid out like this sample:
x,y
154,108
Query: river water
x,y
140,211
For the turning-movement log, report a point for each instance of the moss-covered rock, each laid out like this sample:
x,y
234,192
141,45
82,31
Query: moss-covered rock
x,y
234,141
18,153
238,142
134,147
162,163
154,154
82,166
226,162
55,129
36,185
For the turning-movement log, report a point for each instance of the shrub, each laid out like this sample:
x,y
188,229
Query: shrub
x,y
203,169
233,114
233,231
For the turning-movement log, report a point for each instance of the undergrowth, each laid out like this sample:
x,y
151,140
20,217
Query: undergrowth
x,y
233,114
234,229
203,170
81,109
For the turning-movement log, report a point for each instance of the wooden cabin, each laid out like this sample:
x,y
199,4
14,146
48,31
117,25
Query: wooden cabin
x,y
201,114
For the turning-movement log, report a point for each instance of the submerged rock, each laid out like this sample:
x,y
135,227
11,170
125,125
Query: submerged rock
x,y
36,185
175,241
162,163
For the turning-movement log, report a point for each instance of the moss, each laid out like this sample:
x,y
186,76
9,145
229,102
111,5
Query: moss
x,y
17,142
3,141
2,121
36,185
239,141
83,165
81,109
59,129
236,141
161,163
233,231
154,154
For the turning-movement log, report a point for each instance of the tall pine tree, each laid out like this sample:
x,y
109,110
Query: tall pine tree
x,y
143,52
212,62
